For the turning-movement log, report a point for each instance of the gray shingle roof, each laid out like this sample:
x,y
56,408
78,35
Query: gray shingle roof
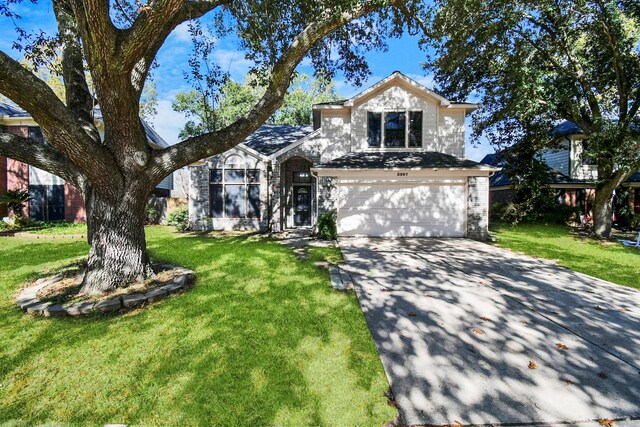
x,y
634,178
400,160
7,110
566,128
492,160
269,139
500,178
338,102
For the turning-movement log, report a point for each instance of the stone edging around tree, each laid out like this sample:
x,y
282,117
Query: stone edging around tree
x,y
28,235
29,302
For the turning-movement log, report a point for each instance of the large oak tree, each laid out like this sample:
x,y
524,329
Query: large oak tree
x,y
117,41
537,62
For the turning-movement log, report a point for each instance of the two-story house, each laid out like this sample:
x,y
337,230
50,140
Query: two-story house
x,y
51,198
573,173
390,161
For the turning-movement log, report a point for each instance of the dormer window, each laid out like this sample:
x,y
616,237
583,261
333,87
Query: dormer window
x,y
397,132
395,129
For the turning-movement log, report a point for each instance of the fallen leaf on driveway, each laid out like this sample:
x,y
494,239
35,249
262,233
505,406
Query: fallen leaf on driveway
x,y
485,319
477,331
603,375
568,381
533,365
561,346
524,322
606,422
412,314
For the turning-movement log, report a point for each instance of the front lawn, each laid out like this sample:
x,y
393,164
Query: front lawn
x,y
261,339
606,260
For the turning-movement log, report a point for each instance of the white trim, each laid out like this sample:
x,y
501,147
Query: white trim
x,y
419,172
290,147
328,107
397,76
466,107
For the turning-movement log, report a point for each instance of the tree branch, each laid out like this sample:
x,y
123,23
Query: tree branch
x,y
165,161
146,35
60,127
40,155
77,95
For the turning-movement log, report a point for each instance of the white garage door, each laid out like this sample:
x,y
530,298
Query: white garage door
x,y
402,210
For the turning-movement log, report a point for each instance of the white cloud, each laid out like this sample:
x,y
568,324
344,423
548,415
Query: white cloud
x,y
234,62
427,81
167,122
181,32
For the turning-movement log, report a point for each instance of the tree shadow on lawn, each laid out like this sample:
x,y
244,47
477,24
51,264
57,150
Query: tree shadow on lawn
x,y
260,339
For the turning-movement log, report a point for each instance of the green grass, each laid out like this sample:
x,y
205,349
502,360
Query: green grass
x,y
606,260
261,339
52,228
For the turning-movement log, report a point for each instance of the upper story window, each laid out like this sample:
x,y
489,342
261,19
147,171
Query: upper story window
x,y
401,129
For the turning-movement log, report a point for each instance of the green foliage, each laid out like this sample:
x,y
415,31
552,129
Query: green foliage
x,y
152,214
542,62
179,218
15,201
236,100
303,93
327,229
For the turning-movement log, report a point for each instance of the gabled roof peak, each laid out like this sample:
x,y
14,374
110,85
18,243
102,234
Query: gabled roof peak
x,y
408,82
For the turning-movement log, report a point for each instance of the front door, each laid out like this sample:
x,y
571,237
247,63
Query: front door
x,y
301,206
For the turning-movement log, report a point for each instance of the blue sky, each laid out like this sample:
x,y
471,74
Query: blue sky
x,y
403,55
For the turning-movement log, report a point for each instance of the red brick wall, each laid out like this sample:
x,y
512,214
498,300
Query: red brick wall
x,y
73,204
18,172
3,184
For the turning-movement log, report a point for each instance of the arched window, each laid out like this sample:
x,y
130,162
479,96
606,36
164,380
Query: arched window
x,y
234,190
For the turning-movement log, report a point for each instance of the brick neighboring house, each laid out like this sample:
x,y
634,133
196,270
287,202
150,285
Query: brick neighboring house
x,y
573,174
52,199
390,161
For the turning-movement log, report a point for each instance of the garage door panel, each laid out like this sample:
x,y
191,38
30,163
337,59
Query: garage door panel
x,y
402,211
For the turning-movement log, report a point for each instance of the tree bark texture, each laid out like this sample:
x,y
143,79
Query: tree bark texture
x,y
603,210
118,254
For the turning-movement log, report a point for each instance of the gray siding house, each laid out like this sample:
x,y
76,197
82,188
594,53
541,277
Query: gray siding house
x,y
390,161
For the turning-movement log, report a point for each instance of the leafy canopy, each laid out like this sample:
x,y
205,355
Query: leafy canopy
x,y
538,62
236,100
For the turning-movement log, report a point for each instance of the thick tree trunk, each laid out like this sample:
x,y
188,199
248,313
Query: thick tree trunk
x,y
118,254
603,211
603,208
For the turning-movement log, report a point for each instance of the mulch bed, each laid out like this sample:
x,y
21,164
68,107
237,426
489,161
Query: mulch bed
x,y
59,295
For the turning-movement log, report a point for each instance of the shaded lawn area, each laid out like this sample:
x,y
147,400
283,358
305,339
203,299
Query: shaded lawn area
x,y
53,228
605,260
261,339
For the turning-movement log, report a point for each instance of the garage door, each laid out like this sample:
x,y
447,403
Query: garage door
x,y
402,210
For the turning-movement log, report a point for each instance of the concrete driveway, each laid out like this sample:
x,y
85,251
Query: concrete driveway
x,y
471,333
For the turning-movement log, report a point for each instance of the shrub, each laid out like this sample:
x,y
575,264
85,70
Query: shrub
x,y
152,214
15,201
513,213
179,218
327,229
